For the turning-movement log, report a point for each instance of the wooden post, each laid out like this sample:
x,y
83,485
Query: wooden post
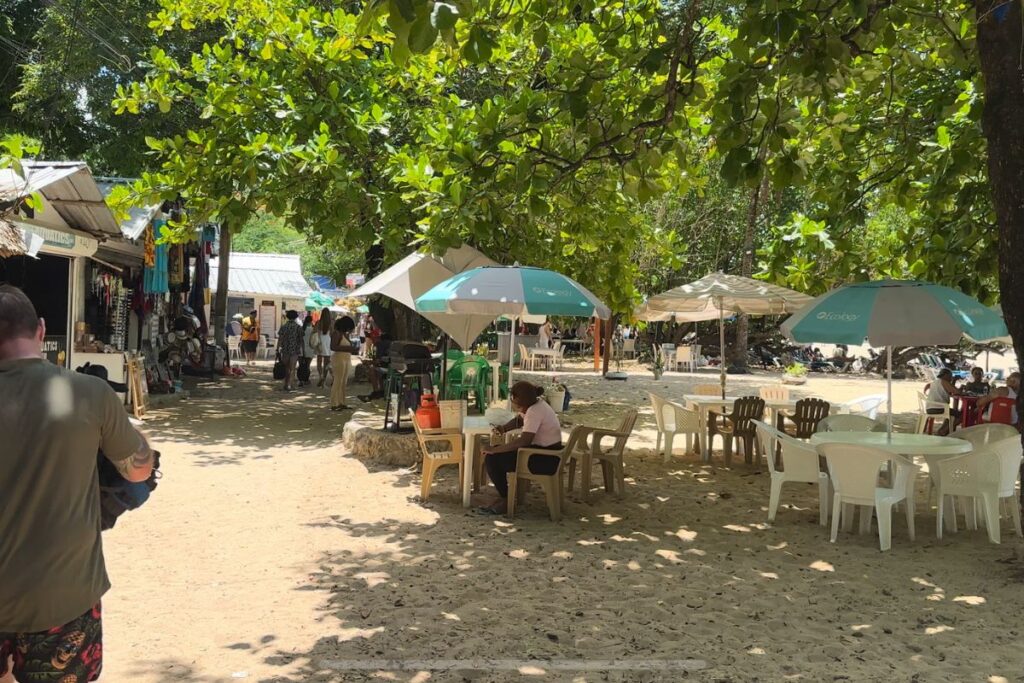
x,y
608,336
597,343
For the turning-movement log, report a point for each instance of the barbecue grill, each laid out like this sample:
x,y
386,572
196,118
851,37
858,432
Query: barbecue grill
x,y
406,367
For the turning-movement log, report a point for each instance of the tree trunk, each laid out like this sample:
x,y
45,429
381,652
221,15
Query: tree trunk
x,y
738,360
1000,36
220,303
608,350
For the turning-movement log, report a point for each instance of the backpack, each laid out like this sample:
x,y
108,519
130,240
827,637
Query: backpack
x,y
117,494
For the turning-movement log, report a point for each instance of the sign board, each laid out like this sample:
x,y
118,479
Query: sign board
x,y
353,280
268,319
138,386
55,348
62,243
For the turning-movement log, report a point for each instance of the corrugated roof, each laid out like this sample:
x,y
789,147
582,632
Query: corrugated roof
x,y
138,217
270,274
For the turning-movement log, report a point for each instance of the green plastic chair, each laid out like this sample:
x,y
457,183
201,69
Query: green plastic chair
x,y
469,375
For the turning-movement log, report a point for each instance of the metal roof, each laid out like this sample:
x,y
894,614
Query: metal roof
x,y
138,217
268,274
72,199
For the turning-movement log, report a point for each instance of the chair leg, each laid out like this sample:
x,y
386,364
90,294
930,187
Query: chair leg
x,y
554,509
849,510
1015,514
607,476
657,445
939,510
884,513
823,502
572,472
748,450
620,472
586,471
727,448
512,494
669,438
991,503
773,498
970,512
837,508
427,479
911,526
866,512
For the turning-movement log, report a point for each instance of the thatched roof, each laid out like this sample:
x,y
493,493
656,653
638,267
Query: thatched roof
x,y
11,241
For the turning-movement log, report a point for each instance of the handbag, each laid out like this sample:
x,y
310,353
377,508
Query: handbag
x,y
279,371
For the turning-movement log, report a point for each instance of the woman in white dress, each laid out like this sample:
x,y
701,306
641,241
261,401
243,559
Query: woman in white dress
x,y
324,326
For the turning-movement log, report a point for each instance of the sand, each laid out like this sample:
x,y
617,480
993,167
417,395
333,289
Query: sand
x,y
268,554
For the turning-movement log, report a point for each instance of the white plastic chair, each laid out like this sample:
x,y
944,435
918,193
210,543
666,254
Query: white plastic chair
x,y
629,347
774,393
671,419
854,472
849,423
867,406
234,349
984,434
526,359
990,474
799,463
684,357
262,349
559,360
926,420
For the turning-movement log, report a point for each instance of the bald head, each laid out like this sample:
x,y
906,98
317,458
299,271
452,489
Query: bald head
x,y
21,330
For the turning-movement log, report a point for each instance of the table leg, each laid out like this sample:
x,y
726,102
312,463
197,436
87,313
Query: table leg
x,y
705,439
467,467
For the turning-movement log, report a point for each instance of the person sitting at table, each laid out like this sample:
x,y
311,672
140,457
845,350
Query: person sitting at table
x,y
541,429
940,391
977,386
1009,391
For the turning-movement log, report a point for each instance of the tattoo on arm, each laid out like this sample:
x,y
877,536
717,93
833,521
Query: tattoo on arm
x,y
140,459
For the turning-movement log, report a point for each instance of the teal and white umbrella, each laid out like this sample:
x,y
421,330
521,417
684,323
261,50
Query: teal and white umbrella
x,y
893,313
512,291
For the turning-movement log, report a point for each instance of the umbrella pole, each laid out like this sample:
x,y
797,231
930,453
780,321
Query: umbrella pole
x,y
888,374
511,361
721,345
444,367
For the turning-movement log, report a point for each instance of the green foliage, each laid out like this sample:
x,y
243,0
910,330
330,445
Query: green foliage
x,y
796,370
267,234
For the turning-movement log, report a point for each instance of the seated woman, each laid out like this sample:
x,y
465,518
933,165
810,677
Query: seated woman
x,y
977,386
939,392
1009,391
541,429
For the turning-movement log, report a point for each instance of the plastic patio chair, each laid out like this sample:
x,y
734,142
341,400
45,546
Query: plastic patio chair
x,y
849,423
684,357
854,472
865,405
526,359
988,474
629,348
470,376
805,417
926,420
1000,411
671,419
738,425
551,483
589,449
432,460
774,393
707,390
234,347
984,434
799,464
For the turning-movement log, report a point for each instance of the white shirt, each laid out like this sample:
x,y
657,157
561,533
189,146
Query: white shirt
x,y
937,393
541,421
307,334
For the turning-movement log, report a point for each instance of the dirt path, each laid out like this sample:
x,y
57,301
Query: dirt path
x,y
268,555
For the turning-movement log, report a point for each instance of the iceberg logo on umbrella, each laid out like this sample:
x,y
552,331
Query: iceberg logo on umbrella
x,y
844,317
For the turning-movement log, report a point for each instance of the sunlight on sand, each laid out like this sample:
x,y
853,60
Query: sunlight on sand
x,y
941,628
972,600
822,566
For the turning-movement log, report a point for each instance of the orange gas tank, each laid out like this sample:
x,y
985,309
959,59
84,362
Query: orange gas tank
x,y
428,415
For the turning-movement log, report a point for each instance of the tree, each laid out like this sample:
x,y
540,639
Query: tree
x,y
267,234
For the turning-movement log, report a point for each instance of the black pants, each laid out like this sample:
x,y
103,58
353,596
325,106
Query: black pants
x,y
500,464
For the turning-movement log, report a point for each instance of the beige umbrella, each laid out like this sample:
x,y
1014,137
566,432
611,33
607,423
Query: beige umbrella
x,y
728,294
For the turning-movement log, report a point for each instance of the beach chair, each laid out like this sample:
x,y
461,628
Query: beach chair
x,y
1000,411
234,348
684,357
435,459
526,359
987,475
612,467
738,425
849,423
629,348
854,473
552,484
671,419
805,417
799,464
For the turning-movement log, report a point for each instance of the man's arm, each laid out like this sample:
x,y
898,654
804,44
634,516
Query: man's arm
x,y
139,465
123,444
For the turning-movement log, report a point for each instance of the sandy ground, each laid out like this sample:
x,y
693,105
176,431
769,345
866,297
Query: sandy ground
x,y
267,554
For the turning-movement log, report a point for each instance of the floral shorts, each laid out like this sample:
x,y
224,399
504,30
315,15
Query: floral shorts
x,y
72,653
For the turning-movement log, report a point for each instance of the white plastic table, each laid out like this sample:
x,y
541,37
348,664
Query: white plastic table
x,y
928,446
472,427
705,404
548,355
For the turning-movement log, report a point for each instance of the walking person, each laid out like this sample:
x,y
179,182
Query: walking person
x,y
341,361
325,325
309,351
289,345
250,337
52,573
544,335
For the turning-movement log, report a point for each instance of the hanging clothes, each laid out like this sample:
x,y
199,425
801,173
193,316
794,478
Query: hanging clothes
x,y
197,294
155,277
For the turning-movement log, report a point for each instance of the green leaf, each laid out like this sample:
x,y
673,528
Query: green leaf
x,y
333,90
422,35
267,52
154,143
478,47
404,8
444,16
942,136
540,36
918,268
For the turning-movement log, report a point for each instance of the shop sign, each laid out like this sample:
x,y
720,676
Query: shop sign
x,y
64,243
55,348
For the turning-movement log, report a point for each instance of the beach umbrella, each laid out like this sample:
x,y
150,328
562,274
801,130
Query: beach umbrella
x,y
512,291
728,294
894,313
316,300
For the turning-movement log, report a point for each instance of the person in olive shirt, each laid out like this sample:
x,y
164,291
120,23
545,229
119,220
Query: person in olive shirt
x,y
52,574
